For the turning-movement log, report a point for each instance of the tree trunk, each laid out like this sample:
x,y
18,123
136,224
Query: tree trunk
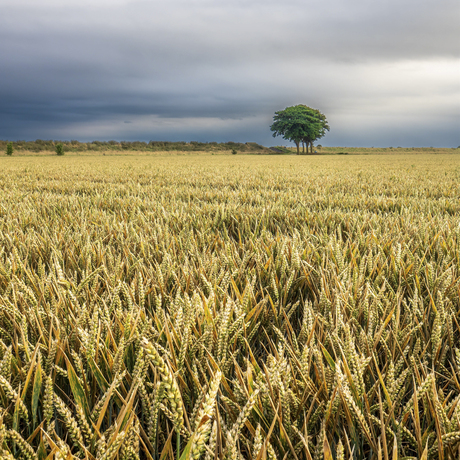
x,y
298,147
303,147
311,148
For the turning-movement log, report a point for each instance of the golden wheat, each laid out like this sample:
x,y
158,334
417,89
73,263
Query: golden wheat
x,y
220,307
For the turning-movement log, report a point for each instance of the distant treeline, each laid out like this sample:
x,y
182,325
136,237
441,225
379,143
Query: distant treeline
x,y
153,146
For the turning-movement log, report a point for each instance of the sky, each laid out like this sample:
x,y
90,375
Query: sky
x,y
384,72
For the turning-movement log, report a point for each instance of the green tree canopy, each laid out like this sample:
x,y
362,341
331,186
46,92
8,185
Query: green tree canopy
x,y
300,123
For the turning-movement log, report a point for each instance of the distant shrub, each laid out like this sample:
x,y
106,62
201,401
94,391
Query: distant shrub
x,y
255,145
342,153
41,145
234,152
59,149
9,148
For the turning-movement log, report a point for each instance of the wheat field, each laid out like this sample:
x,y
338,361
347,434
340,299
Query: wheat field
x,y
230,307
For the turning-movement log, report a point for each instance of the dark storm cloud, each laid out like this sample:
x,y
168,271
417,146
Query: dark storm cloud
x,y
212,70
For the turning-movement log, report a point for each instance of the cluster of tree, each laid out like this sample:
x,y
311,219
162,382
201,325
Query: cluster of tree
x,y
300,124
153,146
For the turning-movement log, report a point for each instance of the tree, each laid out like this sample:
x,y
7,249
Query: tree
x,y
9,148
298,124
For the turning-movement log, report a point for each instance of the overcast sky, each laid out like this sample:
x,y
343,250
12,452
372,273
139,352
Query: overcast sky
x,y
385,73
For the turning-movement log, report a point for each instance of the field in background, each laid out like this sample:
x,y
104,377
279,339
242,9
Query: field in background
x,y
253,307
380,150
110,148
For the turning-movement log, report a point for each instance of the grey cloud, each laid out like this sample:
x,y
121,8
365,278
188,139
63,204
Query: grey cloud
x,y
218,32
